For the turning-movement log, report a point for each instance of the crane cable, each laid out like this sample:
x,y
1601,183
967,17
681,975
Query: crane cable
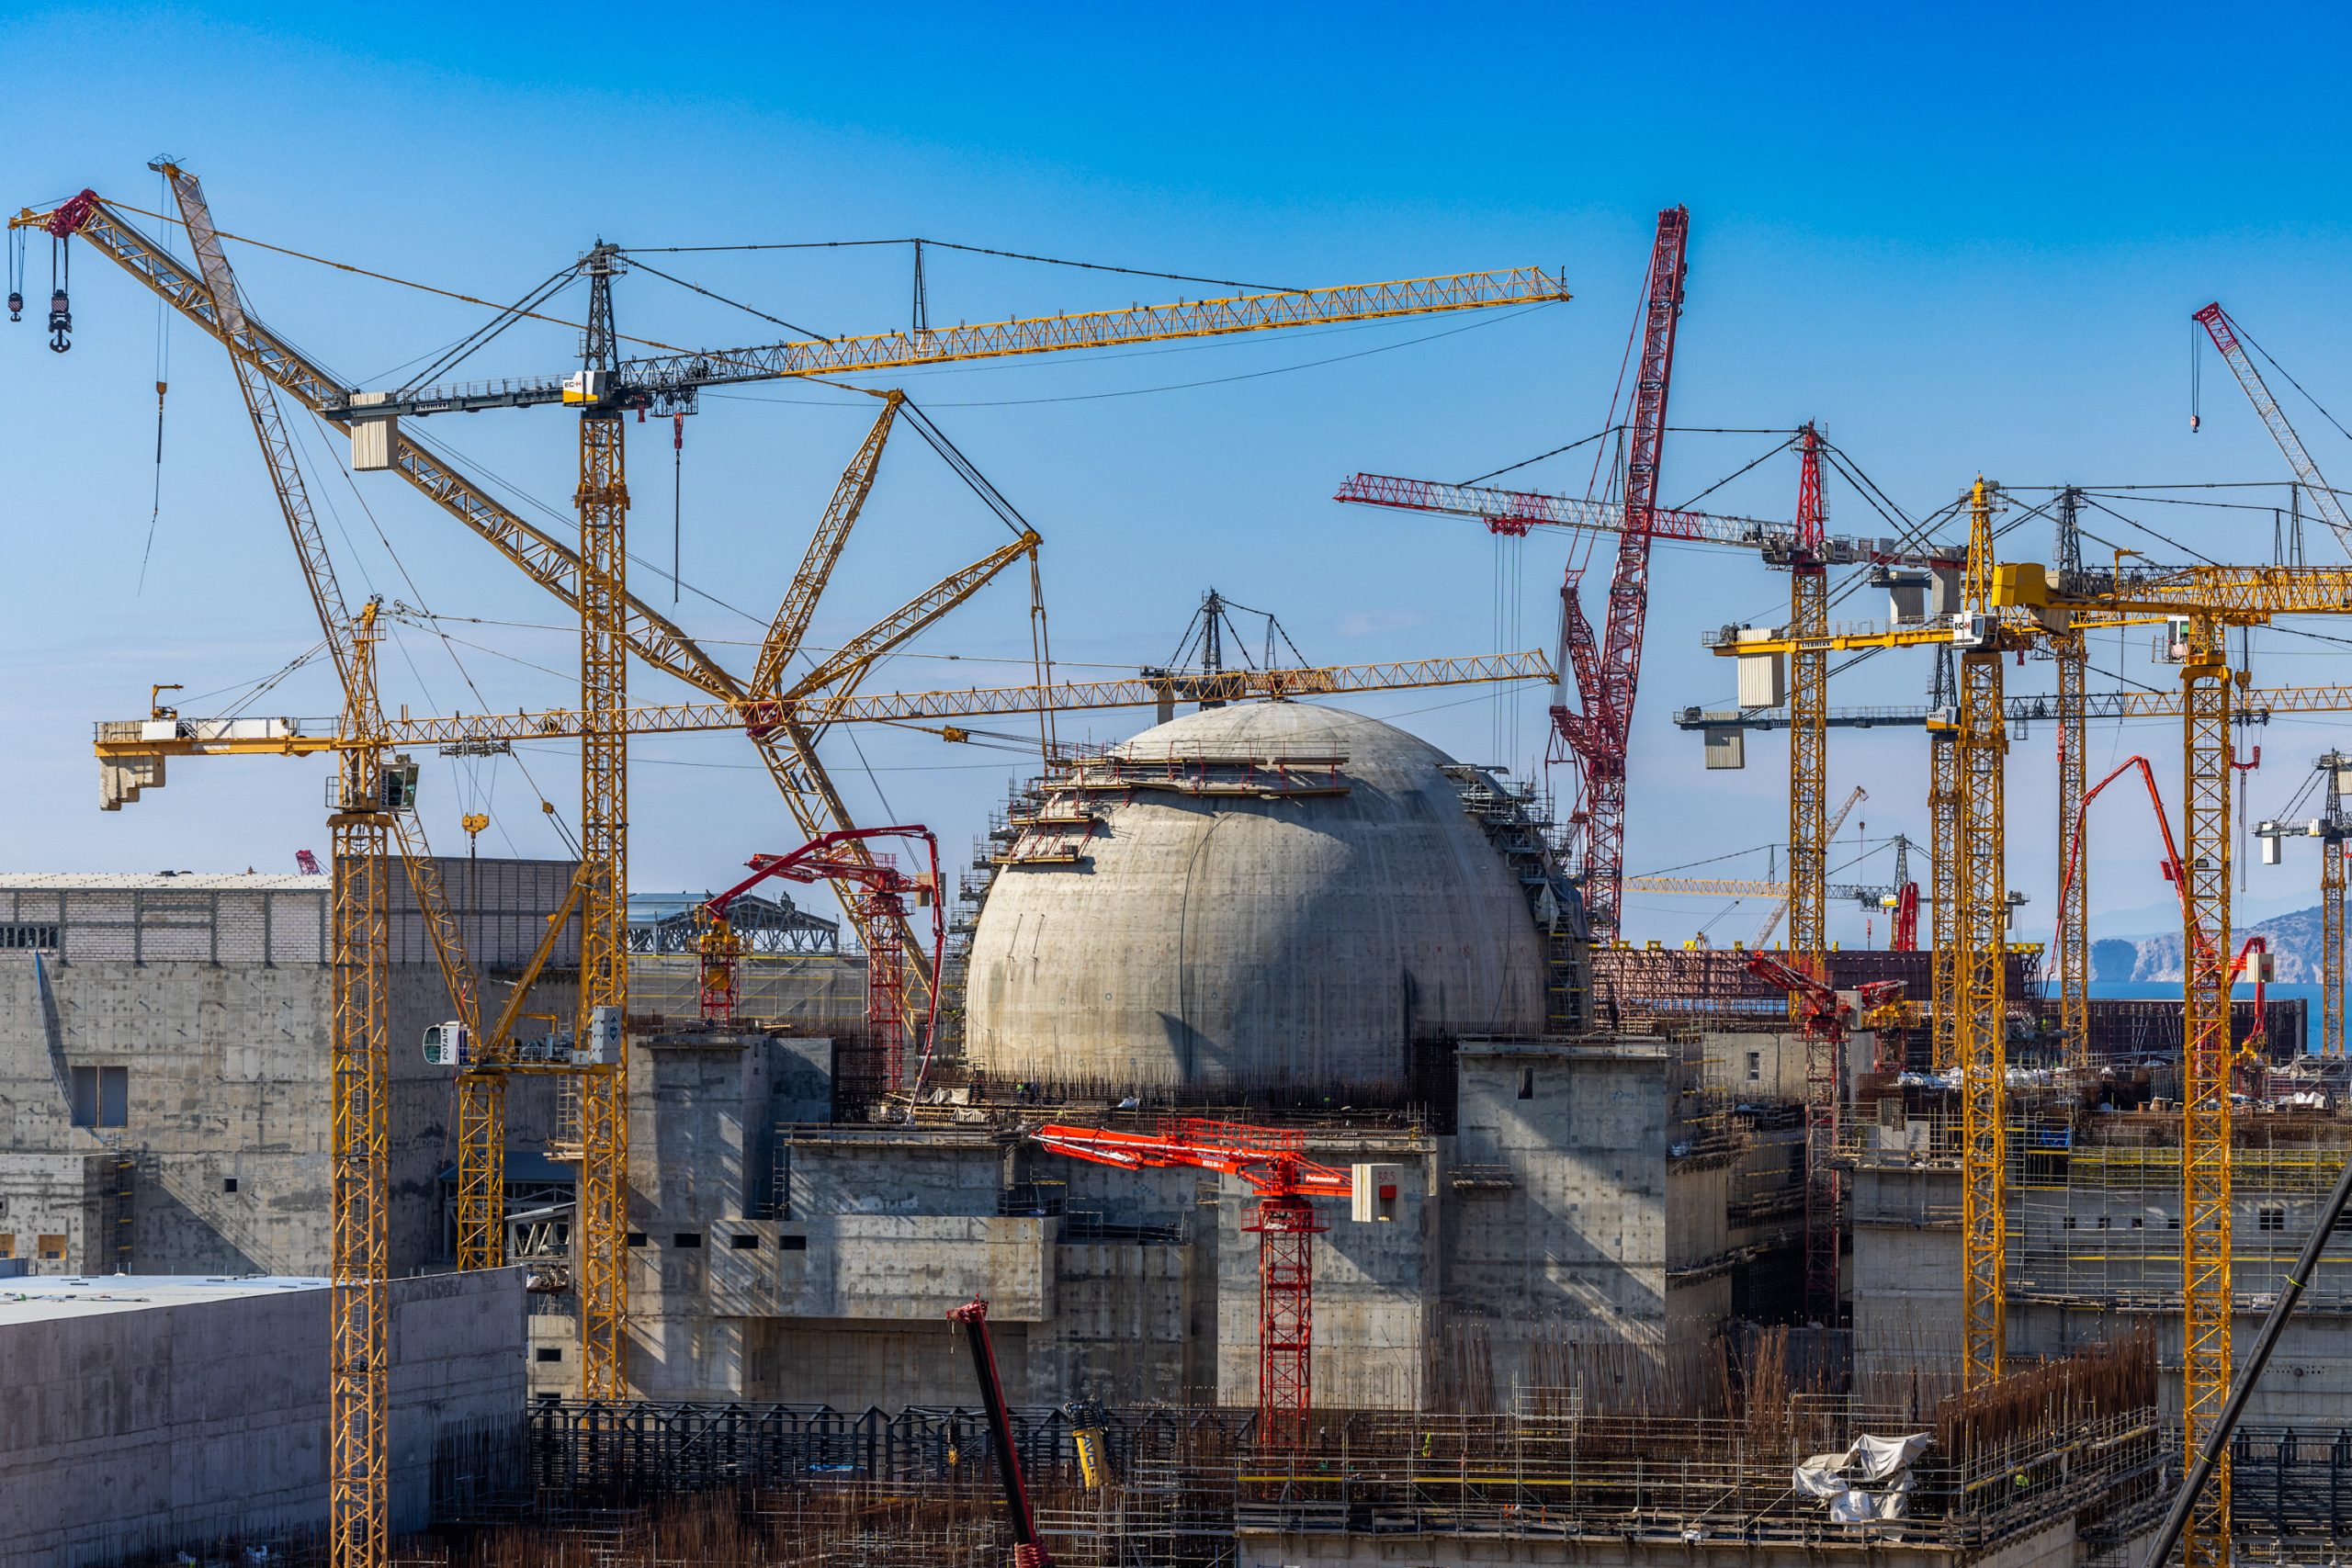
x,y
318,430
402,282
162,379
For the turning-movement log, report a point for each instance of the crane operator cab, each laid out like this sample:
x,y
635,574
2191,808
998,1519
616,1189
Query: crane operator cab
x,y
603,1046
451,1044
396,788
448,1045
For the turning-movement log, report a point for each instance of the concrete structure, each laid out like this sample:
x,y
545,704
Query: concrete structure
x,y
1590,1191
1279,907
2094,1249
1271,894
163,1065
147,1416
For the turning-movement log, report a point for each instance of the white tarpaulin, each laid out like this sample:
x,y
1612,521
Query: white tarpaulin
x,y
1869,1482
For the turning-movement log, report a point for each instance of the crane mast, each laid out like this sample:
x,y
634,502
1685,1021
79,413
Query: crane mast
x,y
2205,1226
602,500
359,1269
1980,971
1809,832
2073,898
2335,832
1943,857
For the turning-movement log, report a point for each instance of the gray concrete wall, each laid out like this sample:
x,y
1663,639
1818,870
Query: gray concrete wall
x,y
1581,1231
171,1425
1755,1064
1571,1220
219,1023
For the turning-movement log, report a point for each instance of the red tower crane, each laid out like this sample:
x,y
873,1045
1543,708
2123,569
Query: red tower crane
x,y
1274,1162
879,909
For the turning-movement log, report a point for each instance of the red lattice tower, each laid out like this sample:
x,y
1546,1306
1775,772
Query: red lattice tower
x,y
1273,1161
879,914
1286,1229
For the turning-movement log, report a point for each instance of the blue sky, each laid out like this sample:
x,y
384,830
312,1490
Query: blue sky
x,y
1959,241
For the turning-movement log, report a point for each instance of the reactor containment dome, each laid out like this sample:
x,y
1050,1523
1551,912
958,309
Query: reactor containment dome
x,y
1273,897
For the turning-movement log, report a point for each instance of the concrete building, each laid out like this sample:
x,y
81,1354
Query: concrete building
x,y
147,1416
1274,910
2093,1206
163,1101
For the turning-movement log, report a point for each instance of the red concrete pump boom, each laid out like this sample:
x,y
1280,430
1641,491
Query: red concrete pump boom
x,y
1028,1552
1272,1161
879,911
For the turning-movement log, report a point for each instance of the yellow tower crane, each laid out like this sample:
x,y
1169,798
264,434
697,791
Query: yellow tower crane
x,y
1980,968
2203,603
614,624
1975,985
2008,607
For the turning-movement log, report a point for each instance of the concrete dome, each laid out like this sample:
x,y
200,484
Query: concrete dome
x,y
1235,941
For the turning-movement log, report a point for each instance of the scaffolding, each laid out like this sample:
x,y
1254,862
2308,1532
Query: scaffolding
x,y
2096,1209
721,1485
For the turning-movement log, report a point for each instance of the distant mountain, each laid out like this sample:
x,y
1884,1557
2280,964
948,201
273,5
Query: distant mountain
x,y
2293,940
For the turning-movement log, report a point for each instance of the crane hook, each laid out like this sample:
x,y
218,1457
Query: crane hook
x,y
61,322
16,305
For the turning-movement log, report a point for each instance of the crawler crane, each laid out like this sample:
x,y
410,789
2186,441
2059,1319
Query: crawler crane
x,y
614,626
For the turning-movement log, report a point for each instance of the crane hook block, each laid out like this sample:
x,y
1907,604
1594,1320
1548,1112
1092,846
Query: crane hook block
x,y
15,306
61,322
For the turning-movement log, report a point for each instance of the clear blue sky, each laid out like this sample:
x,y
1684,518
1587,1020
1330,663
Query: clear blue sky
x,y
1960,242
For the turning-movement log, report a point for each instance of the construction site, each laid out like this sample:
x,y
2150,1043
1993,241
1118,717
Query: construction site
x,y
1272,1139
